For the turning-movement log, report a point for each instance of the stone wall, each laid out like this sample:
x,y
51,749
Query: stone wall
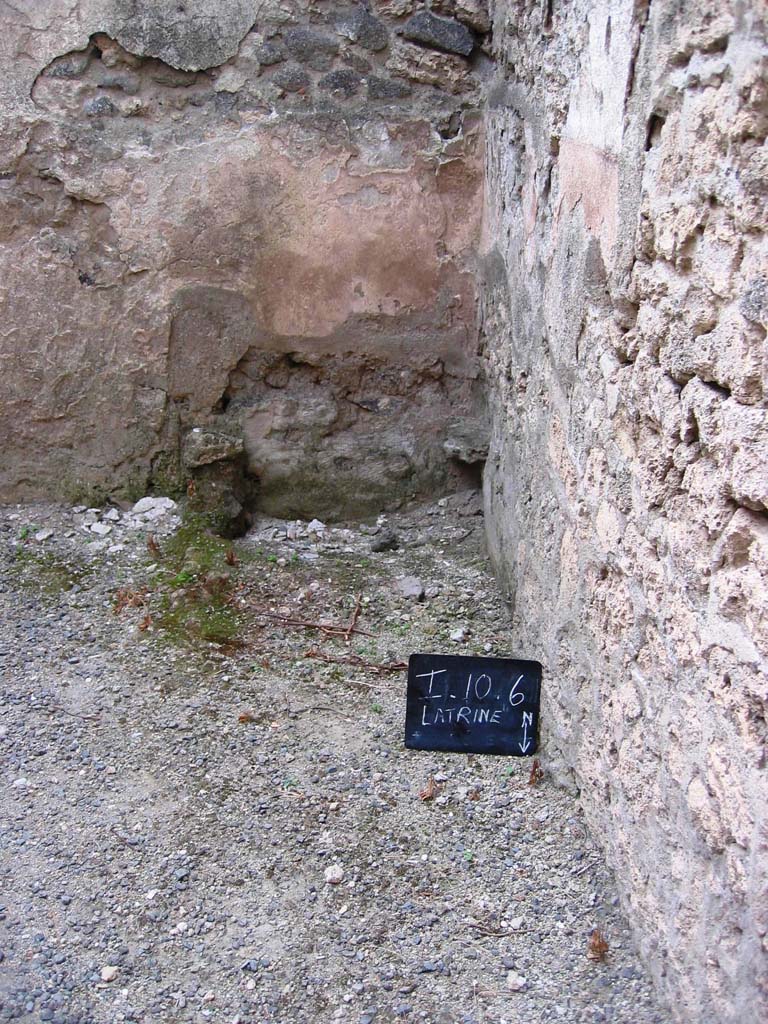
x,y
624,328
254,221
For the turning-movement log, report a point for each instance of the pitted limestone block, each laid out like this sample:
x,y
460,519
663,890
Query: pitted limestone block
x,y
188,36
474,13
627,474
447,71
203,447
467,442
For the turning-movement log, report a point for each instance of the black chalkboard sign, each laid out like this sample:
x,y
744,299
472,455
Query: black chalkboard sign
x,y
472,705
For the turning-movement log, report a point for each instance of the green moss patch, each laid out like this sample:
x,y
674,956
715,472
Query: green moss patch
x,y
45,572
195,600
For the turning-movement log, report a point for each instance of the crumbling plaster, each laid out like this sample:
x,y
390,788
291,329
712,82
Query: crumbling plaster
x,y
298,168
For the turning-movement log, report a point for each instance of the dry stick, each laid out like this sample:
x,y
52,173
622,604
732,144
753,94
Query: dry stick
x,y
286,620
586,867
355,617
355,659
317,707
487,930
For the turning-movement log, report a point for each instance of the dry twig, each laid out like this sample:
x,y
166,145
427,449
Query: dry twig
x,y
328,629
317,707
355,617
355,659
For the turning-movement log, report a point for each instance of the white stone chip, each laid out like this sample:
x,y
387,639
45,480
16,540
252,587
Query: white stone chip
x,y
334,874
157,506
516,982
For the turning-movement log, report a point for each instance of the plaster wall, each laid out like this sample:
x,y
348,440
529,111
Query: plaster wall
x,y
258,221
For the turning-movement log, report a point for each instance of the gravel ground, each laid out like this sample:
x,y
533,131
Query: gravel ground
x,y
208,812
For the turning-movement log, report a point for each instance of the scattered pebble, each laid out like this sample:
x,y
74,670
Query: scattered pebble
x,y
516,982
284,868
385,540
410,587
334,874
151,508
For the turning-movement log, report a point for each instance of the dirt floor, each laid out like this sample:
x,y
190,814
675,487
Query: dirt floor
x,y
208,813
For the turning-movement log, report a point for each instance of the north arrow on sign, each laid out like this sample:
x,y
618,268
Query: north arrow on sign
x,y
527,720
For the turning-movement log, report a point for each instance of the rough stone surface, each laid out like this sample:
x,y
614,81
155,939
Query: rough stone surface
x,y
343,81
442,33
202,447
410,587
624,324
312,48
233,242
361,27
186,35
387,88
